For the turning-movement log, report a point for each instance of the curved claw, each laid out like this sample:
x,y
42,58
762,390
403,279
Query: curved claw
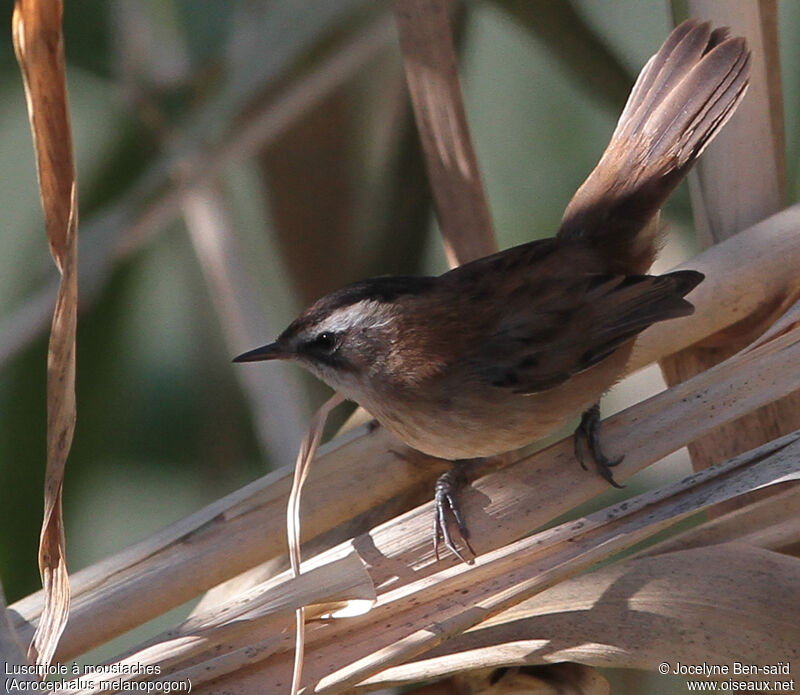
x,y
445,500
604,467
589,431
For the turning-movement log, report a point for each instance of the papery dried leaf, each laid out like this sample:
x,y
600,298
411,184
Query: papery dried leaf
x,y
787,321
39,47
413,618
717,605
772,524
308,450
244,628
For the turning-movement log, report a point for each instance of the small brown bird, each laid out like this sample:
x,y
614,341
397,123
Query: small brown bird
x,y
502,351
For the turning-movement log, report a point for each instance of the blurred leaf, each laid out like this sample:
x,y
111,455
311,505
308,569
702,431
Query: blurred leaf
x,y
86,30
153,200
573,42
207,25
265,41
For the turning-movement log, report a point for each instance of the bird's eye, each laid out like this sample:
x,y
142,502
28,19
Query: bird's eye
x,y
324,342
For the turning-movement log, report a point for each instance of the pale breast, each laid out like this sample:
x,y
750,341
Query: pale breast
x,y
495,420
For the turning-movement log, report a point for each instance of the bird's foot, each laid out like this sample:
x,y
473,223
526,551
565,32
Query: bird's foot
x,y
446,504
589,432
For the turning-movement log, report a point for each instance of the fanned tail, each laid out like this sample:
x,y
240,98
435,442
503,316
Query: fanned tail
x,y
681,99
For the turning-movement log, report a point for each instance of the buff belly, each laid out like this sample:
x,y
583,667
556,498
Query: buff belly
x,y
495,421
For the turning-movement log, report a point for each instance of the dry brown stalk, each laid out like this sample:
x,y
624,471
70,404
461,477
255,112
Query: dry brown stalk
x,y
431,70
39,46
305,457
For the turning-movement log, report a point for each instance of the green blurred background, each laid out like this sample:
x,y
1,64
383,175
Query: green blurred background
x,y
162,89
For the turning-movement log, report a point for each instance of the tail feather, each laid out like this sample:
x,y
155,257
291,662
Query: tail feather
x,y
698,107
681,50
681,99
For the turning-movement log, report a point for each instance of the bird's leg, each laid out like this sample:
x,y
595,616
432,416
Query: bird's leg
x,y
589,431
446,503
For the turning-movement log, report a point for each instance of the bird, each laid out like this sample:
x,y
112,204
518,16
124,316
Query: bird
x,y
506,349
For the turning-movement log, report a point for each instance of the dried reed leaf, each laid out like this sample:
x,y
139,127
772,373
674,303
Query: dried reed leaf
x,y
412,618
308,450
40,52
38,43
244,628
787,321
426,40
772,523
716,605
739,181
246,527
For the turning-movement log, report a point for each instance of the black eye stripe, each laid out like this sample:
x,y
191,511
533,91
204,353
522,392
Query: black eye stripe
x,y
325,341
323,348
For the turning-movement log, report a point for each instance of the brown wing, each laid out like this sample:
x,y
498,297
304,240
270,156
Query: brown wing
x,y
538,342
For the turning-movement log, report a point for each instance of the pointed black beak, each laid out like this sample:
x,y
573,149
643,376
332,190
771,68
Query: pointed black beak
x,y
267,352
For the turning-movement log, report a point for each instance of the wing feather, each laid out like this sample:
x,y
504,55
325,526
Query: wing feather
x,y
540,346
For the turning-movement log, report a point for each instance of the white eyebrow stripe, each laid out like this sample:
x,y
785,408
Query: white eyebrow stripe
x,y
366,313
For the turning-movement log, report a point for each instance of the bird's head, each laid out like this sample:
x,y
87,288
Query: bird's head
x,y
350,338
